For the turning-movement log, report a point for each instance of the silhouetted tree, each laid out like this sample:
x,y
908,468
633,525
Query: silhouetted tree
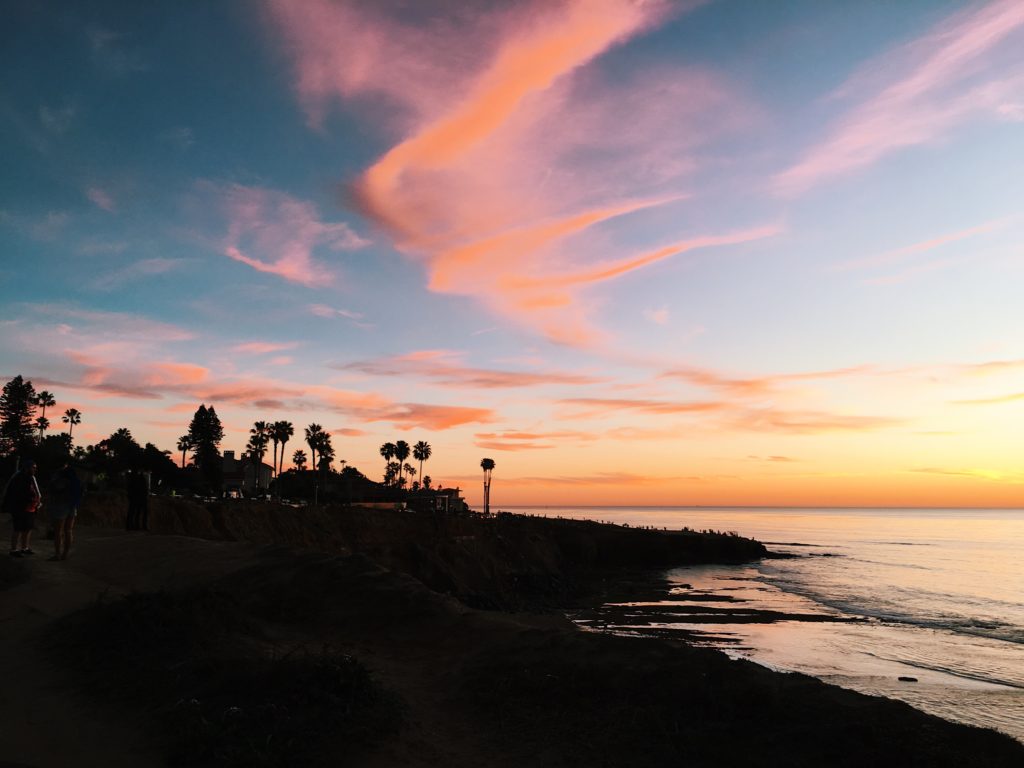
x,y
259,436
206,433
401,454
44,400
281,433
388,452
72,416
184,445
299,460
488,467
421,452
427,482
17,407
313,440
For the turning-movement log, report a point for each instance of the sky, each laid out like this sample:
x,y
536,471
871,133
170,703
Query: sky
x,y
635,251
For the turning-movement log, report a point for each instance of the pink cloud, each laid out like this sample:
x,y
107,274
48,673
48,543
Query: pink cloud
x,y
446,368
900,254
262,347
275,233
101,199
966,66
491,187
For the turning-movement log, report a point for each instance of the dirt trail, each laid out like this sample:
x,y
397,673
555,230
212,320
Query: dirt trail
x,y
43,721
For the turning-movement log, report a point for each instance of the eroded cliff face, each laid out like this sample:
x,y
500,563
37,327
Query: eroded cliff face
x,y
504,562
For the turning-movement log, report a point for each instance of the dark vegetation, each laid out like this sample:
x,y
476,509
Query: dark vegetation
x,y
215,690
507,562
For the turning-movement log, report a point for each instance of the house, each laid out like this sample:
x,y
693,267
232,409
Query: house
x,y
239,474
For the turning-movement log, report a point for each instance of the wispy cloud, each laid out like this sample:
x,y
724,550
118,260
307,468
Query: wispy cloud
x,y
969,65
137,271
275,233
180,137
758,386
516,440
57,120
356,318
263,347
113,52
991,475
44,227
1015,397
898,255
101,199
445,367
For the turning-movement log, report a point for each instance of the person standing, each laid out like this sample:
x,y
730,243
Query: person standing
x,y
63,509
22,500
138,501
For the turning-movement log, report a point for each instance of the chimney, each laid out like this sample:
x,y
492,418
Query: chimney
x,y
230,455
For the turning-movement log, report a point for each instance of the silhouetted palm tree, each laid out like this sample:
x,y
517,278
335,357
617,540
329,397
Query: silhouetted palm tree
x,y
401,453
410,471
259,436
71,417
184,445
388,452
421,452
488,466
284,431
299,460
44,400
427,480
313,433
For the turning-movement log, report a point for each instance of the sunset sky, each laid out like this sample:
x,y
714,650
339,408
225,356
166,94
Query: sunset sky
x,y
635,252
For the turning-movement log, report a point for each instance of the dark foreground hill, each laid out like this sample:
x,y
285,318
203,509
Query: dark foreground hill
x,y
204,652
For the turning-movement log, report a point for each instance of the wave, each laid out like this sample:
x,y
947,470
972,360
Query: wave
x,y
993,629
975,676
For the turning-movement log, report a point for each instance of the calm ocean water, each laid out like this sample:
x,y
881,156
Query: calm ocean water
x,y
940,592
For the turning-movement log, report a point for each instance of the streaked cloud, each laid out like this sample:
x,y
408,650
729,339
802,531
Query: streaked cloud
x,y
263,347
445,368
967,66
137,270
490,186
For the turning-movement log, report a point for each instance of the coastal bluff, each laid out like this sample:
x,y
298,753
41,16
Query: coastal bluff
x,y
504,561
203,646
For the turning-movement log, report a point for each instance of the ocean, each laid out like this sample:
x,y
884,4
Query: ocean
x,y
936,595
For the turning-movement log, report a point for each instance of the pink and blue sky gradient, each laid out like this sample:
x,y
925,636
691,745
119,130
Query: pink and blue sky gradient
x,y
636,251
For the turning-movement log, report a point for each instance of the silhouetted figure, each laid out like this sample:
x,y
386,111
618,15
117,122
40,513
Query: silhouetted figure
x,y
66,495
22,500
138,502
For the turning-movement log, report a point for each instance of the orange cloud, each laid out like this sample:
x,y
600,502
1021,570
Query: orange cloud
x,y
501,196
421,415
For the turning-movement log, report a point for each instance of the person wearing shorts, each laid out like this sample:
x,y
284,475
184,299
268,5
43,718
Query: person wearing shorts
x,y
23,500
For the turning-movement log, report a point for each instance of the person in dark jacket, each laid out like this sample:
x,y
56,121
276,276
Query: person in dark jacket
x,y
22,500
138,502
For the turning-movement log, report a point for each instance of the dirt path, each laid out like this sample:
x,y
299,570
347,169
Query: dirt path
x,y
43,722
